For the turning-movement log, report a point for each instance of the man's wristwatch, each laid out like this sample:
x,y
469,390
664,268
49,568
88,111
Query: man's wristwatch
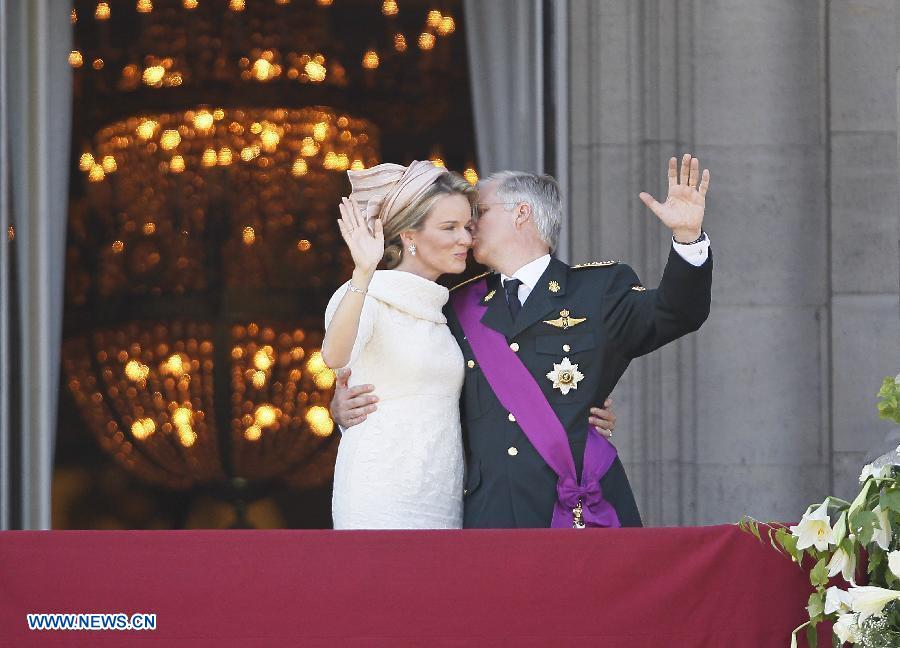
x,y
702,237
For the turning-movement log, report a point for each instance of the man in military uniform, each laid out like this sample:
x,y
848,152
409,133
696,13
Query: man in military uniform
x,y
574,329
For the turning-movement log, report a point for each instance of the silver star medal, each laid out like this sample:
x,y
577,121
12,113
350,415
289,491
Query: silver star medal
x,y
565,376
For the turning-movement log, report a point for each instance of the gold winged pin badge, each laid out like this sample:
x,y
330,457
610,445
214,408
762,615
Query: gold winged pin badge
x,y
564,321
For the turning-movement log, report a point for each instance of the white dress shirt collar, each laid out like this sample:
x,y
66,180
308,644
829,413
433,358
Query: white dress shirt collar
x,y
529,274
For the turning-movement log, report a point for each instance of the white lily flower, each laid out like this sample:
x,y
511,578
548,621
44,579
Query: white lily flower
x,y
897,379
882,535
866,473
843,562
840,531
836,600
894,562
870,600
814,529
832,539
846,628
882,472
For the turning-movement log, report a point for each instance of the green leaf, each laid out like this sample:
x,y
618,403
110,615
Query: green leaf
x,y
789,542
889,403
848,545
838,503
816,605
812,637
860,499
876,558
863,524
754,529
818,576
893,614
890,499
777,546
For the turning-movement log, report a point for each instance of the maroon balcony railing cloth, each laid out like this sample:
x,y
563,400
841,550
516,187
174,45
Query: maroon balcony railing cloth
x,y
713,587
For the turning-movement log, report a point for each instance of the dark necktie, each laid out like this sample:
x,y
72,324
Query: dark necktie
x,y
511,286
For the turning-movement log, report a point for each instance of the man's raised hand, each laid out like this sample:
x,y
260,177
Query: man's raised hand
x,y
682,212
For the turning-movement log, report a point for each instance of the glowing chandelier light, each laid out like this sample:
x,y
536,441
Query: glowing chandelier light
x,y
202,244
298,42
302,140
147,391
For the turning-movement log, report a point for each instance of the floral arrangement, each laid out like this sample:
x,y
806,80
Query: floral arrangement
x,y
866,615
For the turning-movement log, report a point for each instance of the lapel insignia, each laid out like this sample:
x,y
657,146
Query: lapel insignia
x,y
638,288
488,297
596,264
564,321
565,376
553,287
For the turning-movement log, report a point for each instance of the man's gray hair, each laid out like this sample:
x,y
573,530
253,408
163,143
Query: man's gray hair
x,y
539,191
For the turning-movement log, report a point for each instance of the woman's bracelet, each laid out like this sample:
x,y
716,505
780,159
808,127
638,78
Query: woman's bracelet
x,y
355,289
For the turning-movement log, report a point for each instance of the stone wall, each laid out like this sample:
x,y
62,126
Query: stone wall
x,y
793,108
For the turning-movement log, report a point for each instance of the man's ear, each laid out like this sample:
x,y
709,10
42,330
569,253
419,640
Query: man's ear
x,y
523,214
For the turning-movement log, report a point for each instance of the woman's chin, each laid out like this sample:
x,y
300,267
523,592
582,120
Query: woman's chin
x,y
457,267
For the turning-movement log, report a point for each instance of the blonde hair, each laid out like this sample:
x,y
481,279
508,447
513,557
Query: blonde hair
x,y
413,217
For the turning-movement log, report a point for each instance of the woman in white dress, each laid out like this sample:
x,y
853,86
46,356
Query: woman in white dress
x,y
402,468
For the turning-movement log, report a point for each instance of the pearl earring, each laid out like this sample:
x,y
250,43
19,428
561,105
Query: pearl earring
x,y
412,249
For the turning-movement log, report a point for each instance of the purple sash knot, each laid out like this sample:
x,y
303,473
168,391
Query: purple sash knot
x,y
596,511
570,493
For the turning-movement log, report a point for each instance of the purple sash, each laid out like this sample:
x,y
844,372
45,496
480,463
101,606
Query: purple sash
x,y
519,393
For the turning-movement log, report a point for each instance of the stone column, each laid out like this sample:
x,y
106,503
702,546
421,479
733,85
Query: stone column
x,y
865,340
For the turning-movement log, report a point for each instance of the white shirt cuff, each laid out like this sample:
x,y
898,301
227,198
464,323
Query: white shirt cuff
x,y
695,253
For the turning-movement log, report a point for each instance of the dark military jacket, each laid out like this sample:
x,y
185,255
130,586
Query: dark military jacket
x,y
600,317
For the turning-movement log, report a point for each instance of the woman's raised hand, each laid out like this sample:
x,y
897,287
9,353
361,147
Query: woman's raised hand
x,y
366,246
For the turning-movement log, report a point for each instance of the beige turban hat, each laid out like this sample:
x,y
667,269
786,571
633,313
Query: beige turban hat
x,y
387,189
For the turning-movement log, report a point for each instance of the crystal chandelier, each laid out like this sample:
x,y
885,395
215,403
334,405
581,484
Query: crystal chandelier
x,y
274,49
202,248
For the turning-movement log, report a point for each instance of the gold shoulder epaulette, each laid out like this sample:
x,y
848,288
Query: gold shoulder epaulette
x,y
468,281
596,264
